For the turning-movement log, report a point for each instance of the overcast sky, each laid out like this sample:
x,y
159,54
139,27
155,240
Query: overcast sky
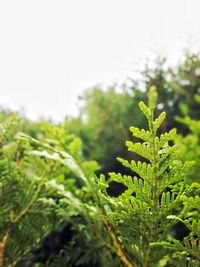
x,y
50,51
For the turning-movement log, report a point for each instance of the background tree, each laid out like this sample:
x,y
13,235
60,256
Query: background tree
x,y
106,114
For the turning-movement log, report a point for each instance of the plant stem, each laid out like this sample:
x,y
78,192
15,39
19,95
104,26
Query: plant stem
x,y
2,248
118,248
148,252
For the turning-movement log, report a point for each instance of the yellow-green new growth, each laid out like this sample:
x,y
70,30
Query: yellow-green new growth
x,y
152,98
139,214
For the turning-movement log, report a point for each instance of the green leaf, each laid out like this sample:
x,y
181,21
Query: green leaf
x,y
146,111
159,120
152,97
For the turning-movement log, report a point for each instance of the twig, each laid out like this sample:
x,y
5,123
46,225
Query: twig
x,y
2,249
118,248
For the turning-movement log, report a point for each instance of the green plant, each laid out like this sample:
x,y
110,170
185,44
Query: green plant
x,y
189,144
104,137
142,216
107,112
42,188
46,182
18,197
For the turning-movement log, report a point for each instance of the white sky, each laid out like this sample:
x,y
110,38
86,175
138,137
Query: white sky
x,y
50,51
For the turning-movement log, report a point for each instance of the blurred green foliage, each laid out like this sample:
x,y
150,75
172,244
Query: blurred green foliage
x,y
190,143
105,119
47,184
107,114
43,187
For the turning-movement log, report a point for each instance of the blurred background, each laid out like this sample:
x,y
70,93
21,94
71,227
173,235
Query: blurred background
x,y
85,65
51,51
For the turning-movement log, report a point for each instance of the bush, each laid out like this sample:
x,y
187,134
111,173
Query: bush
x,y
48,189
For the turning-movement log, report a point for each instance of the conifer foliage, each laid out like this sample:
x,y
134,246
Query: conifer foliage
x,y
143,216
56,212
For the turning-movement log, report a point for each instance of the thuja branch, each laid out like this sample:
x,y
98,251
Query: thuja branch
x,y
28,207
146,197
14,220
